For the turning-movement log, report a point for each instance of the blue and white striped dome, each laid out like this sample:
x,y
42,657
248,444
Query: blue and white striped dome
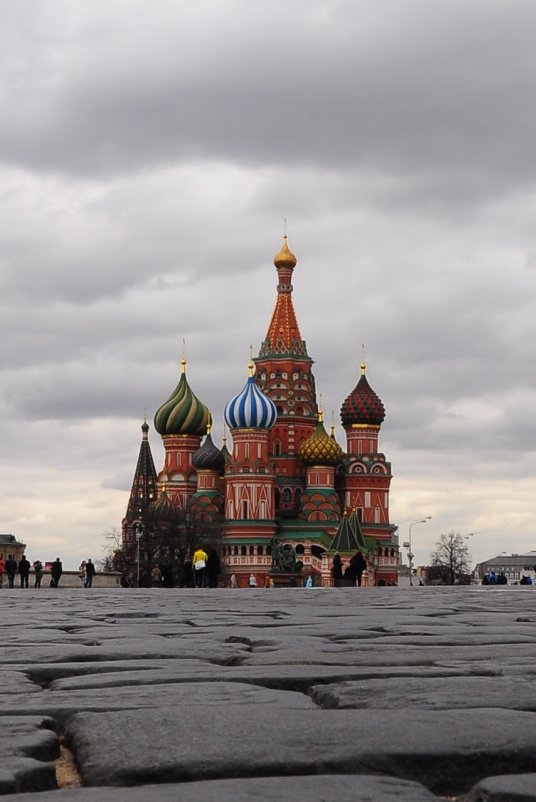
x,y
250,409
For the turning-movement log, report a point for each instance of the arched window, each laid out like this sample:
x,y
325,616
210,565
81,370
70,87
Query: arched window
x,y
243,551
260,551
300,548
235,551
251,551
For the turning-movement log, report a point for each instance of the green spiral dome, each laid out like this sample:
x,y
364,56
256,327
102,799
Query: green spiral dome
x,y
183,412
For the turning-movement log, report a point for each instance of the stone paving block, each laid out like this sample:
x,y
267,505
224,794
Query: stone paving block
x,y
62,705
321,788
294,677
506,788
146,648
27,745
30,736
24,774
447,751
432,693
15,682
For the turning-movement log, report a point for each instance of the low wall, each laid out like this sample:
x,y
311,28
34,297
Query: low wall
x,y
70,579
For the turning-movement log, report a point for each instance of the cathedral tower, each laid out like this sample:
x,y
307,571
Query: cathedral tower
x,y
181,421
284,373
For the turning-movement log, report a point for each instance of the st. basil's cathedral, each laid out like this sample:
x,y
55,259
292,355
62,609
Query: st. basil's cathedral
x,y
287,484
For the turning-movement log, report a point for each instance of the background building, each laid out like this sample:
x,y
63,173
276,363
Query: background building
x,y
10,545
513,566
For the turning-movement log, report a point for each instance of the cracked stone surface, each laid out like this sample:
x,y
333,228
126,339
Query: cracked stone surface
x,y
342,694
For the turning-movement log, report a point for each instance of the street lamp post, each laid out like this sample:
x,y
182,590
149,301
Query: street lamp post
x,y
138,531
408,545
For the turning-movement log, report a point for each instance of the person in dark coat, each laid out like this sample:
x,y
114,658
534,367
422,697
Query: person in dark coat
x,y
90,573
213,569
336,570
358,564
56,571
187,576
24,571
38,569
11,570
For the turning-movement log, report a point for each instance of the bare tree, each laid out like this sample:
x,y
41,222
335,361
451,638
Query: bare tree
x,y
113,558
451,557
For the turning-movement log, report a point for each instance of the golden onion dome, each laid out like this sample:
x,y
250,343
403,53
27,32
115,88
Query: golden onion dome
x,y
320,448
285,257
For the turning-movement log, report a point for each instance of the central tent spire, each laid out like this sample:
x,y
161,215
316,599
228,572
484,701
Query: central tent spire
x,y
283,335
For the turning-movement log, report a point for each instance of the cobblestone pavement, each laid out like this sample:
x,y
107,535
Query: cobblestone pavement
x,y
285,694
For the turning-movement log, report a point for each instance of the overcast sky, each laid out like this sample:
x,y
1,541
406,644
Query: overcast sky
x,y
149,156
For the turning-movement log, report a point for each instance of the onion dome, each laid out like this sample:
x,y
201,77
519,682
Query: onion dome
x,y
163,510
320,448
183,412
285,257
145,428
362,406
208,457
250,409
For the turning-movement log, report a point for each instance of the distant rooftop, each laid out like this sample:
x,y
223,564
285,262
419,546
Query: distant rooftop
x,y
9,539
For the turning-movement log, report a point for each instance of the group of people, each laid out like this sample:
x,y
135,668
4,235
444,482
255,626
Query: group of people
x,y
352,574
86,573
10,567
202,570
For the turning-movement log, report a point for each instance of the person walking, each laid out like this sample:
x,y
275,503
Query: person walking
x,y
56,571
252,581
358,564
24,571
90,573
156,576
82,573
2,569
38,570
199,564
213,568
11,570
336,570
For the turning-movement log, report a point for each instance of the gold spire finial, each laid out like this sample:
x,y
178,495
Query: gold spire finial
x,y
183,365
251,369
285,257
363,363
164,488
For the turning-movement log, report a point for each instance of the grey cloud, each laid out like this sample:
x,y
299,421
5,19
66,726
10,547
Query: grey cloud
x,y
427,92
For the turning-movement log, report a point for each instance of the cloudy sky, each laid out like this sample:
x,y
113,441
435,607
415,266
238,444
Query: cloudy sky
x,y
149,156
